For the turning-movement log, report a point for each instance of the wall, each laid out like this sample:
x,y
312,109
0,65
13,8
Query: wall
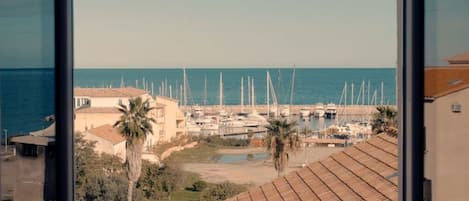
x,y
87,120
447,147
171,114
30,176
93,120
84,121
104,146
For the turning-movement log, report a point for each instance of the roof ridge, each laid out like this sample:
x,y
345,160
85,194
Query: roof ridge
x,y
381,136
361,178
323,183
343,182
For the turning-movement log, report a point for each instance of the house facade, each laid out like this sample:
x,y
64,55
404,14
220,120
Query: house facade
x,y
446,119
35,168
95,107
173,125
108,140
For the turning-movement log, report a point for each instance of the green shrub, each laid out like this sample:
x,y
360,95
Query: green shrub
x,y
221,191
199,185
228,142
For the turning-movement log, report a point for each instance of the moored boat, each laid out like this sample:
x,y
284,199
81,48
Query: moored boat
x,y
319,110
331,111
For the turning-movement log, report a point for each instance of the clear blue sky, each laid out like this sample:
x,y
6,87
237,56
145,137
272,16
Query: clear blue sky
x,y
235,33
166,33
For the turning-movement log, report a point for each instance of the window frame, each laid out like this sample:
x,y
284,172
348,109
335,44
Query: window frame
x,y
64,103
410,98
410,73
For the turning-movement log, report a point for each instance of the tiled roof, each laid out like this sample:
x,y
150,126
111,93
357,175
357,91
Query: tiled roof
x,y
325,140
108,133
459,59
366,171
97,110
109,92
441,81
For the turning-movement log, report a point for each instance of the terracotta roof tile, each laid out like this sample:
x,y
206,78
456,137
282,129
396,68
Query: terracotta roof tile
x,y
445,80
108,133
366,171
109,92
459,59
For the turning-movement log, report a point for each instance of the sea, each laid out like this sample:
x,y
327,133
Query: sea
x,y
27,95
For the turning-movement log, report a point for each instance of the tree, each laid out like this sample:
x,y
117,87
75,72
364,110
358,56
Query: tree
x,y
98,177
384,120
281,139
159,183
134,124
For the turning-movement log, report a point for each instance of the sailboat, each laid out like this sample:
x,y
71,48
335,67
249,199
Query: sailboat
x,y
222,111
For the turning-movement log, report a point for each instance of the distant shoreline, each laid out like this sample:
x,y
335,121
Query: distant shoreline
x,y
235,67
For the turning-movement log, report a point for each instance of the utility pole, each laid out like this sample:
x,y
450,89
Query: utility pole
x,y
6,140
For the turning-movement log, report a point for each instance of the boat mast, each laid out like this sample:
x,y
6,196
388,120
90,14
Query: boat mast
x,y
382,92
363,92
249,90
184,98
221,90
253,96
351,95
345,98
292,87
242,94
170,92
205,90
268,94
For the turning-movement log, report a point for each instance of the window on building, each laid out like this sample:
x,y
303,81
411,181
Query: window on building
x,y
29,150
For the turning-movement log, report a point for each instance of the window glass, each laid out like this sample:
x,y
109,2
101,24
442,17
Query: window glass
x,y
225,81
446,98
27,100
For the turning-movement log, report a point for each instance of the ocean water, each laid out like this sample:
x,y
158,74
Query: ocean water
x,y
311,85
27,96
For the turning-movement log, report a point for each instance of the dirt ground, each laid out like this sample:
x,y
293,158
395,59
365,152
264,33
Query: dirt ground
x,y
254,172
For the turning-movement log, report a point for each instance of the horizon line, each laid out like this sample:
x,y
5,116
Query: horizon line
x,y
241,67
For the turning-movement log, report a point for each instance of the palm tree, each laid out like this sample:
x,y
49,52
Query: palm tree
x,y
385,120
134,124
281,139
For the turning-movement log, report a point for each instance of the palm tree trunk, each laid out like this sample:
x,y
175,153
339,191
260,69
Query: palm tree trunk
x,y
130,190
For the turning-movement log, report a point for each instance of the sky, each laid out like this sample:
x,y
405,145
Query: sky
x,y
228,33
447,30
234,33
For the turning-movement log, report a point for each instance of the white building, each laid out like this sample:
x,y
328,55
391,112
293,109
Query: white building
x,y
172,117
108,140
95,107
447,136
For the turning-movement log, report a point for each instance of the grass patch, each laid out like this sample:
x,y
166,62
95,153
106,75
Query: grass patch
x,y
199,154
186,195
